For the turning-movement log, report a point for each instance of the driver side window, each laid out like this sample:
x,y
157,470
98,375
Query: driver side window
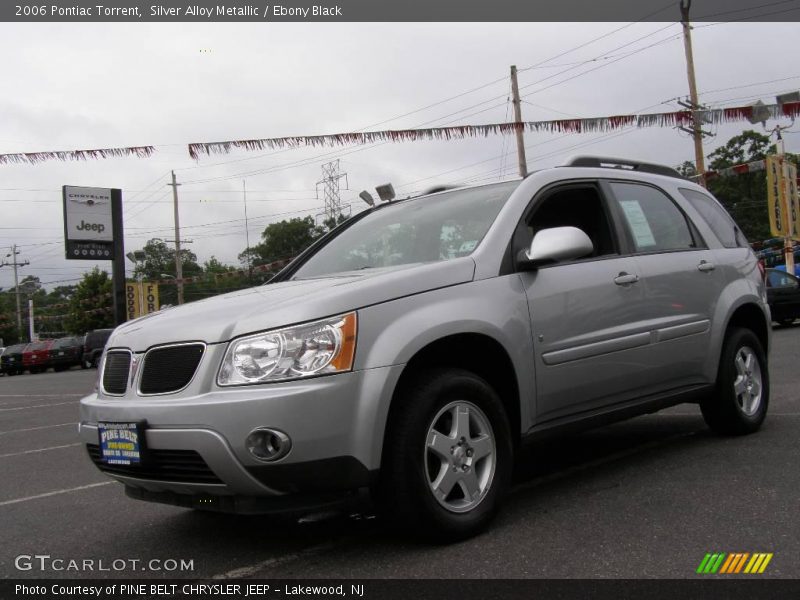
x,y
578,206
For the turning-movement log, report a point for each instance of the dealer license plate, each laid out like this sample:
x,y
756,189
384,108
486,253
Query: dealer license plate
x,y
121,443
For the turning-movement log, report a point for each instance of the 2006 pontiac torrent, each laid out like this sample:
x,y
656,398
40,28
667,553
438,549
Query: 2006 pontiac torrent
x,y
411,350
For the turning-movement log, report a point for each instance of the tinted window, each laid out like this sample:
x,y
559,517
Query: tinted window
x,y
418,230
653,220
95,339
780,279
65,342
717,218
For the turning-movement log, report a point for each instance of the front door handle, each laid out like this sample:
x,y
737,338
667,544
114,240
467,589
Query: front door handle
x,y
705,266
626,278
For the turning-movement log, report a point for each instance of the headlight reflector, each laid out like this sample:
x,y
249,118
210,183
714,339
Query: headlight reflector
x,y
320,347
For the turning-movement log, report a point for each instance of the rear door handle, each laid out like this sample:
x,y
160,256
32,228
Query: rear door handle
x,y
626,278
705,266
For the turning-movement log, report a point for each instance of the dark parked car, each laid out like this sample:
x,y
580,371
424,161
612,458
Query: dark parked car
x,y
11,360
1,354
93,346
783,296
36,355
65,353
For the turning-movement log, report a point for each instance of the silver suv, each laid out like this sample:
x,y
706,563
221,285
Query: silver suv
x,y
414,348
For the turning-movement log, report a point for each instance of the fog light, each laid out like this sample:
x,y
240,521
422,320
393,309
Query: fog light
x,y
268,444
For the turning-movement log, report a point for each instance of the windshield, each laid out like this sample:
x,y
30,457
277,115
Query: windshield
x,y
426,229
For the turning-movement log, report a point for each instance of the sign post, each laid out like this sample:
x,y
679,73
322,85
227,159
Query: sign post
x,y
93,231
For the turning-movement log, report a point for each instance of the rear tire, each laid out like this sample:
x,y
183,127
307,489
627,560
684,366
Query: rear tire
x,y
447,456
739,403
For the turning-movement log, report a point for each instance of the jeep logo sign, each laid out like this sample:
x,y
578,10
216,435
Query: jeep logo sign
x,y
98,227
87,214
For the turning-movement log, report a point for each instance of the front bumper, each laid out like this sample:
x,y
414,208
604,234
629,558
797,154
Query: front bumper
x,y
335,423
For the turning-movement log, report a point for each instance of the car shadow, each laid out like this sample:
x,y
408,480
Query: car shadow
x,y
542,469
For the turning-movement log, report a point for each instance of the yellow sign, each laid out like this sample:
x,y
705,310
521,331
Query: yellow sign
x,y
132,300
141,299
794,209
778,223
150,297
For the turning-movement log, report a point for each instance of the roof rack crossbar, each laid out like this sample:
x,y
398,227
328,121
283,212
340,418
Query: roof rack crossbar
x,y
624,164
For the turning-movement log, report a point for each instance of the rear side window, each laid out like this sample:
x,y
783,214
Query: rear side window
x,y
720,222
654,222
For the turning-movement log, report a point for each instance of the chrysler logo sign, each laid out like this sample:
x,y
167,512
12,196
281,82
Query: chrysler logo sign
x,y
89,223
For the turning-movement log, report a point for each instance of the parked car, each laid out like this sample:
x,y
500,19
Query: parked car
x,y
36,355
412,349
93,345
66,352
11,360
1,358
783,295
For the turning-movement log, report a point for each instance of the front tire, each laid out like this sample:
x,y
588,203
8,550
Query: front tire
x,y
739,403
447,457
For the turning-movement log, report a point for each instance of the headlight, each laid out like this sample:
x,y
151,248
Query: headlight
x,y
320,347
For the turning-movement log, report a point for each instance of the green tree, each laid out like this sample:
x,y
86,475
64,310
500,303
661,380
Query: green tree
x,y
687,169
91,305
213,266
285,239
8,318
160,260
744,195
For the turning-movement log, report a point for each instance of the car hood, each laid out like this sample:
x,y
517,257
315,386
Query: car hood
x,y
223,317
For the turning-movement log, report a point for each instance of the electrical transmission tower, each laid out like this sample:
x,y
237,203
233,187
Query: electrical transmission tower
x,y
331,184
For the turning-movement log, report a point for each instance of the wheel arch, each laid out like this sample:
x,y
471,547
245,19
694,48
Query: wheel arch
x,y
478,353
750,316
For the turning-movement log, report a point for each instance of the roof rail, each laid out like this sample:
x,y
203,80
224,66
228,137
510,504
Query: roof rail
x,y
624,164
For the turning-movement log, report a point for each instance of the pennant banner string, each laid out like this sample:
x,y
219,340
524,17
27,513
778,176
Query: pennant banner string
x,y
587,125
455,132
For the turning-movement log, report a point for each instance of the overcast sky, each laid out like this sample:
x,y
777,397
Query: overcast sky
x,y
72,86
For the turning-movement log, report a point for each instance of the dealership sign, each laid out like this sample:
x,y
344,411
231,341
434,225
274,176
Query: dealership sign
x,y
88,223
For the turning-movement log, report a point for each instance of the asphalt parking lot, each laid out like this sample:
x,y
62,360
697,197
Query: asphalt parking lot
x,y
644,498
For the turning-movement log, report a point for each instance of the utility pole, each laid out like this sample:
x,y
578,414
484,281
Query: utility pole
x,y
523,162
247,229
330,183
15,264
31,329
697,130
178,262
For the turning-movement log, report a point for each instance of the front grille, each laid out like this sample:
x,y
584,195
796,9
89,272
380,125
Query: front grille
x,y
185,466
170,368
115,372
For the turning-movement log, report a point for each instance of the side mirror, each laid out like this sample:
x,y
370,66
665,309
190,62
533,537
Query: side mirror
x,y
555,244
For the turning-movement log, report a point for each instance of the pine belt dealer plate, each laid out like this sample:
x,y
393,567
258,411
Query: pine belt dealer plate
x,y
121,443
